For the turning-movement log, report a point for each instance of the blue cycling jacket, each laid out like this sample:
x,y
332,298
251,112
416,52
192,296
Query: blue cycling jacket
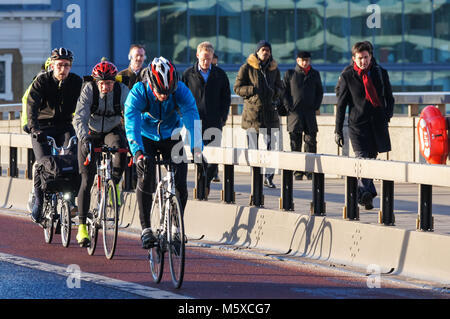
x,y
142,118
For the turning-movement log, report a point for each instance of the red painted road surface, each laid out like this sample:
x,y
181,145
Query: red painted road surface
x,y
210,273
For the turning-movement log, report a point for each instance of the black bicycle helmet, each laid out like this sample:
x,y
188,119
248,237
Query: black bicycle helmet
x,y
61,54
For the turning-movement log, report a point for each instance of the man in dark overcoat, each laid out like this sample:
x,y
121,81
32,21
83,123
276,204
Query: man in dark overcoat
x,y
302,97
259,83
365,87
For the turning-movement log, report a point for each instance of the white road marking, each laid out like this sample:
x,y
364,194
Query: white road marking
x,y
129,287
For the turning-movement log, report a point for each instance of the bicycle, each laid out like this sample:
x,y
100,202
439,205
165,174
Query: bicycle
x,y
166,221
104,209
57,204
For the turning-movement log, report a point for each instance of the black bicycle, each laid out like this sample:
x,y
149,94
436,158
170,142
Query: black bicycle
x,y
166,221
104,209
57,204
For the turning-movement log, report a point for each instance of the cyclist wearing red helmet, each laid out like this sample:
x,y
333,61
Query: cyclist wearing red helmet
x,y
98,121
50,105
155,112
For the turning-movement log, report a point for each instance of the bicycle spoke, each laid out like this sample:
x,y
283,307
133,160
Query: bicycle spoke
x,y
156,254
92,218
110,219
176,242
66,224
48,222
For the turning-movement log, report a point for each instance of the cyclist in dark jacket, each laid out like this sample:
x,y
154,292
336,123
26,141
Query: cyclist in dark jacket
x,y
50,107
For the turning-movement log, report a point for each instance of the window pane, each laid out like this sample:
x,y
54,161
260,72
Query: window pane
x,y
441,81
281,21
310,29
330,79
2,77
441,31
202,27
229,46
396,79
417,81
146,17
359,29
417,31
254,21
388,40
174,30
337,37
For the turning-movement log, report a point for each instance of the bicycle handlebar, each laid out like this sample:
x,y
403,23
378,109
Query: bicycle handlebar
x,y
52,143
103,149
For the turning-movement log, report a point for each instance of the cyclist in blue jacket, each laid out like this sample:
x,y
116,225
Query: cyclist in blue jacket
x,y
155,111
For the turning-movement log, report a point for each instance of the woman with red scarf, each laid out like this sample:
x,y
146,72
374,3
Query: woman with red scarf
x,y
364,86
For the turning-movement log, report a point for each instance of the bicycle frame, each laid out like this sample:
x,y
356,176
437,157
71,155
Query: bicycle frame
x,y
165,189
103,175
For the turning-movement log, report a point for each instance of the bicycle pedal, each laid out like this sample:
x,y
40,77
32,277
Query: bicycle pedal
x,y
85,243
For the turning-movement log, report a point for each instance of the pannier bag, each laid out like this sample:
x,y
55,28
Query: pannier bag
x,y
432,133
59,173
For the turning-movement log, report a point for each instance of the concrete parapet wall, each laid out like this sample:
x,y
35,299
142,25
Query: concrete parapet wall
x,y
411,253
416,254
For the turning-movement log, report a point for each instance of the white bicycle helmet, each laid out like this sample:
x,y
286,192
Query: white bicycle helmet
x,y
162,76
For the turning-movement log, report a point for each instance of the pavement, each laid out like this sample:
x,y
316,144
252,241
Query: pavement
x,y
405,200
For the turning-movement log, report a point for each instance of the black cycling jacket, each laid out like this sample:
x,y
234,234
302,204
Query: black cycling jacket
x,y
51,103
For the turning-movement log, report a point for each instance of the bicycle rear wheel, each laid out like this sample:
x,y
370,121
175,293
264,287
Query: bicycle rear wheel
x,y
156,253
110,220
48,222
66,223
92,218
176,242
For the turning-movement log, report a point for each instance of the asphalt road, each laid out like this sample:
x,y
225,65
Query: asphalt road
x,y
30,268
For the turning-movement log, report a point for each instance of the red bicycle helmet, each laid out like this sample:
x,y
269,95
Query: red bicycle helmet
x,y
104,71
162,76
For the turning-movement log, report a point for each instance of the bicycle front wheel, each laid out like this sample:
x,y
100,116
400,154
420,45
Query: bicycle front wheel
x,y
93,217
66,223
176,242
110,220
156,253
48,222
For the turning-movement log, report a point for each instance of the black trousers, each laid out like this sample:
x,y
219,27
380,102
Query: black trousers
x,y
146,182
310,140
115,138
297,138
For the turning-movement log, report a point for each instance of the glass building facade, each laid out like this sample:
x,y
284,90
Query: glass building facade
x,y
411,37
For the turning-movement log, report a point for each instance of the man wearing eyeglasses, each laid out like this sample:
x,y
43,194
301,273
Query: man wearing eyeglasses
x,y
50,107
